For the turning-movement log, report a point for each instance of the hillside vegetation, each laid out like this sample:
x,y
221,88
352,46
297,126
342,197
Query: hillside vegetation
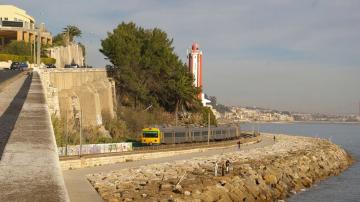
x,y
150,77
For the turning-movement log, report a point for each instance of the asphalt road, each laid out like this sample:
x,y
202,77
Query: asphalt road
x,y
7,74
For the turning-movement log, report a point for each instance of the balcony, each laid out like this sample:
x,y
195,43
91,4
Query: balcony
x,y
16,25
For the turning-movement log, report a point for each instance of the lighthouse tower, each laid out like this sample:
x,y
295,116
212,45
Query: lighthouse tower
x,y
195,67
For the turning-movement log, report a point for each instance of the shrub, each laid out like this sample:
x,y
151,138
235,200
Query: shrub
x,y
18,48
22,58
48,60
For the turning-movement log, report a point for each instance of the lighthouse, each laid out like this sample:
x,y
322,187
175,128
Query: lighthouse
x,y
195,67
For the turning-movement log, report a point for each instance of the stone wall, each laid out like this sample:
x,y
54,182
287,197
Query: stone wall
x,y
74,93
72,53
270,173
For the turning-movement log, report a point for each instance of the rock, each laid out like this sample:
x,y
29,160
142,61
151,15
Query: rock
x,y
264,174
178,189
142,183
128,199
222,182
270,179
166,187
197,192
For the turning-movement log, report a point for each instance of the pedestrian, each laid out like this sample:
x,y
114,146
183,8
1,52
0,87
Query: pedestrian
x,y
216,168
223,169
238,145
227,164
274,139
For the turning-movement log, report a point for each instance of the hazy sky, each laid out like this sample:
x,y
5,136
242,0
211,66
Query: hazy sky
x,y
291,55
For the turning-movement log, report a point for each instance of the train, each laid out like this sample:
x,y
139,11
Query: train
x,y
178,135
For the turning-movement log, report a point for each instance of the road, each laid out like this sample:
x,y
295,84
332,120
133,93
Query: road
x,y
11,101
7,74
80,189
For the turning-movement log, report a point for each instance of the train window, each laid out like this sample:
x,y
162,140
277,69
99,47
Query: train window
x,y
196,133
180,134
150,134
168,134
218,132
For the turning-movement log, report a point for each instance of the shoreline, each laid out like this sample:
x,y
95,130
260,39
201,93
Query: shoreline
x,y
271,173
304,122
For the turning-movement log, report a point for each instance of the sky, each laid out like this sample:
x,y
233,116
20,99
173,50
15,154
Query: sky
x,y
301,56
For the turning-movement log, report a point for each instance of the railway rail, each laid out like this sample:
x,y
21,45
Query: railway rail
x,y
244,138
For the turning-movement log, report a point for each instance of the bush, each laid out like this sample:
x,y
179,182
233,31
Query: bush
x,y
21,58
18,48
136,120
205,115
48,60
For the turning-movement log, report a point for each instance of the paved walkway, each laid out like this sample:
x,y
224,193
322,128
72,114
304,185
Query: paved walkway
x,y
29,166
80,189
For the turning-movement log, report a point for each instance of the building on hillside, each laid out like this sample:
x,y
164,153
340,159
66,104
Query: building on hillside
x,y
16,24
195,67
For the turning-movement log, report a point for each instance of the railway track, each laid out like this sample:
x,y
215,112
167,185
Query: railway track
x,y
244,138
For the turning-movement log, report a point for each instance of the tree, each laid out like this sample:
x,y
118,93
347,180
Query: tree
x,y
72,31
146,69
58,40
183,94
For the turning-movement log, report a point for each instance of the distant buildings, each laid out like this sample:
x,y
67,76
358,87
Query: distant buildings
x,y
195,67
243,114
16,24
246,114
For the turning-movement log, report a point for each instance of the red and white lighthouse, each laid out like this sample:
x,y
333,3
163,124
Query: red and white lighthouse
x,y
195,67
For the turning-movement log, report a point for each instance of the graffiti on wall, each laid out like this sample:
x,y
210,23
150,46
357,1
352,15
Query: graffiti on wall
x,y
71,150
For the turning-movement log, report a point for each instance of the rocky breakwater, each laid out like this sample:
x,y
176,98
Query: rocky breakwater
x,y
270,173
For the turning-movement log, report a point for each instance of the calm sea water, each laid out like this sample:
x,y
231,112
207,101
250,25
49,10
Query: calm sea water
x,y
342,188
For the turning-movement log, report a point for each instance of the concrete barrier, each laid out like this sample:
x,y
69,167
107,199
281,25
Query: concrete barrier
x,y
29,167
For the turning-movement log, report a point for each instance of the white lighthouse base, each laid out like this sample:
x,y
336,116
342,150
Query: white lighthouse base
x,y
203,100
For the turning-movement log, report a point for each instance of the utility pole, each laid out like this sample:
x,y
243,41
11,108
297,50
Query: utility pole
x,y
34,51
66,132
39,47
80,131
209,128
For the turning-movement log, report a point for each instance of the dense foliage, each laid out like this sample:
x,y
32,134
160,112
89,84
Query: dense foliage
x,y
23,58
18,48
147,71
72,31
67,35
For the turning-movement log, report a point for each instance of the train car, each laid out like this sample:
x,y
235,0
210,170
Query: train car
x,y
177,135
150,136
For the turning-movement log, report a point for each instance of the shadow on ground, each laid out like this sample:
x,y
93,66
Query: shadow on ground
x,y
9,117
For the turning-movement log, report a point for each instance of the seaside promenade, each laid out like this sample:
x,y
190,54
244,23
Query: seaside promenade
x,y
80,189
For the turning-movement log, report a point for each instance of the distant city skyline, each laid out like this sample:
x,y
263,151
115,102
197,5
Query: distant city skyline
x,y
289,55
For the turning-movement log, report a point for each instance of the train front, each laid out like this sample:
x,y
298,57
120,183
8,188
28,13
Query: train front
x,y
150,136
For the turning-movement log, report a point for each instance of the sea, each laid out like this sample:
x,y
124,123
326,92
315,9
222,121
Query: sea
x,y
342,188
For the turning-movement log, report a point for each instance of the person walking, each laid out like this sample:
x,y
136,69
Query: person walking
x,y
274,138
216,169
227,164
223,169
238,143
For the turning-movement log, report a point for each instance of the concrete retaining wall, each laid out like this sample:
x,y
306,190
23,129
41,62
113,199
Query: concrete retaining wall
x,y
67,55
69,91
